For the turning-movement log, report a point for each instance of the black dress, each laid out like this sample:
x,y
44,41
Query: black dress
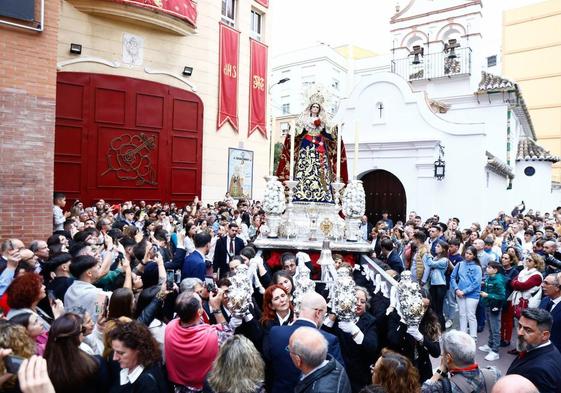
x,y
400,341
151,380
359,357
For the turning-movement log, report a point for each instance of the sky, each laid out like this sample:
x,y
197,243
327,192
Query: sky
x,y
365,23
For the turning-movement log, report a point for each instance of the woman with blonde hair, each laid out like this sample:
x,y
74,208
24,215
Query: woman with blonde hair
x,y
395,373
14,337
238,368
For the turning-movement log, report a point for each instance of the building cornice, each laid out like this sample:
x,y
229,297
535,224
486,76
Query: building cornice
x,y
397,17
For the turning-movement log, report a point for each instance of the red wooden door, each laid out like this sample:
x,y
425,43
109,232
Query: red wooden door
x,y
384,191
120,138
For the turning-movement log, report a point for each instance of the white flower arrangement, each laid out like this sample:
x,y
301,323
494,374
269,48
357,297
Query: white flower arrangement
x,y
354,199
274,201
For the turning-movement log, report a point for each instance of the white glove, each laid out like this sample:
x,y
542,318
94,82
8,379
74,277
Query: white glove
x,y
378,281
394,304
328,321
414,332
349,327
235,322
385,290
302,256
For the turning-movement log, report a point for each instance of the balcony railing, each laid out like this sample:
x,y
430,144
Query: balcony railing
x,y
434,65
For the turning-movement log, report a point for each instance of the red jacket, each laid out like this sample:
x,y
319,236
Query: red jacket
x,y
190,352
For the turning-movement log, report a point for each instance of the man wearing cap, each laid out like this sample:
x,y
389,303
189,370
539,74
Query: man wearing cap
x,y
60,267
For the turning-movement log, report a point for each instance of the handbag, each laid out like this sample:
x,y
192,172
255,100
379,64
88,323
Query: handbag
x,y
521,306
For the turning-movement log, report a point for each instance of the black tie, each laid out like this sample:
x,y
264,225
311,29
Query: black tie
x,y
231,246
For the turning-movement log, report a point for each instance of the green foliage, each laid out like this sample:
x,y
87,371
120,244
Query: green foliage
x,y
277,151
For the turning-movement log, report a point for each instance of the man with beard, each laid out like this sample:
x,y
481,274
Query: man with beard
x,y
538,360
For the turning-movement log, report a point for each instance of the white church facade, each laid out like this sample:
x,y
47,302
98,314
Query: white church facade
x,y
438,133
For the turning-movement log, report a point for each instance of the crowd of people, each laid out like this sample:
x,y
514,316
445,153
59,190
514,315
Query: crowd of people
x,y
135,297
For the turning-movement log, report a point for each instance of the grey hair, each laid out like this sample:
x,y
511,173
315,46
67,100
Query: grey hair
x,y
189,284
34,245
311,355
366,294
461,346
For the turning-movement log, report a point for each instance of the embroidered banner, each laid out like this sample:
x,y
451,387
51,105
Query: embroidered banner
x,y
258,88
264,3
228,80
182,9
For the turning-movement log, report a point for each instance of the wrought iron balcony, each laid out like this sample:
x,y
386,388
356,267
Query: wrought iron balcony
x,y
434,65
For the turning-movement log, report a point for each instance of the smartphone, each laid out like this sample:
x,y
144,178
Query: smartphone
x,y
52,297
210,285
170,279
13,363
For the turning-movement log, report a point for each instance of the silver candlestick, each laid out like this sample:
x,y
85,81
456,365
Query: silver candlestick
x,y
291,185
337,187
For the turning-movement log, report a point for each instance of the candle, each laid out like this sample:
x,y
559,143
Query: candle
x,y
339,130
292,132
356,151
271,154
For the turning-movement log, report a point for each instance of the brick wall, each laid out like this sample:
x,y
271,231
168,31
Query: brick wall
x,y
27,119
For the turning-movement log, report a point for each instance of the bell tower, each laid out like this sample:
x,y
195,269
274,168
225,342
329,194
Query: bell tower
x,y
437,40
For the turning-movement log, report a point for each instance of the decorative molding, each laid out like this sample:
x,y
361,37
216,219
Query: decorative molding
x,y
163,72
398,17
154,19
87,59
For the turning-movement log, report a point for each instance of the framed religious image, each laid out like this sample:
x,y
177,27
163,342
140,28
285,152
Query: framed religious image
x,y
240,173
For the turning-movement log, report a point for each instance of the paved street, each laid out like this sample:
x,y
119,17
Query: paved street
x,y
502,364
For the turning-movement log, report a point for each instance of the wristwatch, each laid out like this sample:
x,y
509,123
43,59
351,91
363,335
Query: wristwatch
x,y
439,371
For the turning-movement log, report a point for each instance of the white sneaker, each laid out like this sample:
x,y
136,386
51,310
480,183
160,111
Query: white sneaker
x,y
485,348
491,356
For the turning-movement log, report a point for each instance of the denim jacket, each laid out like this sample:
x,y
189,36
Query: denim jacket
x,y
435,270
466,277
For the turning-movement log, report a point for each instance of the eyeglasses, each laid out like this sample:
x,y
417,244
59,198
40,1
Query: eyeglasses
x,y
287,349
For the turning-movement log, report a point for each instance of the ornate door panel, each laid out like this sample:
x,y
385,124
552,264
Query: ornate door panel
x,y
140,139
384,191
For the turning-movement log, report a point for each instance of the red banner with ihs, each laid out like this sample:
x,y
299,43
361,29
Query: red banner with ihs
x,y
258,88
228,80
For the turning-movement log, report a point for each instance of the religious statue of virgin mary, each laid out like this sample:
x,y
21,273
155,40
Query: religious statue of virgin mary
x,y
315,154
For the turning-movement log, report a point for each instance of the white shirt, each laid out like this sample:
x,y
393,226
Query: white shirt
x,y
283,320
130,377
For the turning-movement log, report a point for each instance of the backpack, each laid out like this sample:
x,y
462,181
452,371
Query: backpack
x,y
489,380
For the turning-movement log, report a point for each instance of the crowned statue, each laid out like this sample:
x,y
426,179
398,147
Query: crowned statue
x,y
315,154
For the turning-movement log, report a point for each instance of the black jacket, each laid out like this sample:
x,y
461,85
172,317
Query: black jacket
x,y
151,380
402,342
221,257
556,328
359,357
542,366
330,378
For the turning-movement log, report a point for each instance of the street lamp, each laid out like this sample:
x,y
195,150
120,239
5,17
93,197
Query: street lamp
x,y
440,165
271,145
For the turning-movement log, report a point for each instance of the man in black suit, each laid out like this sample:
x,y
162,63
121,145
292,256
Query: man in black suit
x,y
551,286
538,360
283,373
226,248
391,257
